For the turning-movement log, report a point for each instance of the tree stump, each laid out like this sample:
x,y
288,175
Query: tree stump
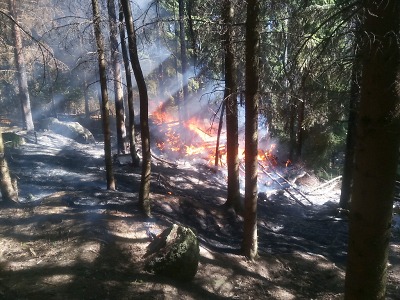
x,y
174,253
8,186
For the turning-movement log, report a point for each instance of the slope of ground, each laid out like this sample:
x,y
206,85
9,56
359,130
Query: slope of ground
x,y
73,239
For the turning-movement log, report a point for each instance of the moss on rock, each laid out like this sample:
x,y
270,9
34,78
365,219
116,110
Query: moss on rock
x,y
175,253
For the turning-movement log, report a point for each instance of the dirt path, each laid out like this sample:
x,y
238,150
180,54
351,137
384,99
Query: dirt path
x,y
76,240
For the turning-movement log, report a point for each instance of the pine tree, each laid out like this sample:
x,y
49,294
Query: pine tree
x,y
376,154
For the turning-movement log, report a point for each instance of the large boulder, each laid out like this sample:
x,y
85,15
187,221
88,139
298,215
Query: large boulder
x,y
174,253
73,130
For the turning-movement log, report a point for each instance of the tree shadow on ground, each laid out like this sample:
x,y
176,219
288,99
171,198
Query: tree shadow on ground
x,y
286,227
84,242
80,253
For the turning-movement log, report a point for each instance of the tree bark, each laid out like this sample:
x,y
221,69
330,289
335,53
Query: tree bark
x,y
249,245
230,97
27,118
376,154
84,86
129,87
104,95
300,117
144,193
86,94
185,79
9,192
116,70
221,122
347,179
193,39
292,130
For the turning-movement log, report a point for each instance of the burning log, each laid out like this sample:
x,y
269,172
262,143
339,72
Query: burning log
x,y
204,132
170,123
274,163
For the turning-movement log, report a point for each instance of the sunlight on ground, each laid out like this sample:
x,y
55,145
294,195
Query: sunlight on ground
x,y
206,253
58,279
282,294
66,242
320,261
88,251
118,228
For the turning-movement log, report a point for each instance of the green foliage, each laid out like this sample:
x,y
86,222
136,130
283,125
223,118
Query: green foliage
x,y
323,146
12,140
306,52
306,49
8,98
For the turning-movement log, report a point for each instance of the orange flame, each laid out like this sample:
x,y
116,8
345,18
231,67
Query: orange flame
x,y
202,140
288,162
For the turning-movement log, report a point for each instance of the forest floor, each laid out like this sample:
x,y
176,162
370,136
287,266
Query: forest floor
x,y
73,239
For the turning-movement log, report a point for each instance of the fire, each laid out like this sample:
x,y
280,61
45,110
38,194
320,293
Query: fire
x,y
270,157
197,139
160,116
193,150
173,140
288,162
194,126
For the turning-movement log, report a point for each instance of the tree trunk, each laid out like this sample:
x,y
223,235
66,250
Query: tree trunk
x,y
160,69
221,122
250,246
129,86
192,33
185,79
300,120
86,95
300,129
292,131
144,193
160,79
27,119
116,69
8,190
376,154
104,95
347,178
177,98
290,25
85,87
230,97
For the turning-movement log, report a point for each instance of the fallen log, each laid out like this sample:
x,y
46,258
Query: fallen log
x,y
324,184
163,160
287,181
293,187
285,189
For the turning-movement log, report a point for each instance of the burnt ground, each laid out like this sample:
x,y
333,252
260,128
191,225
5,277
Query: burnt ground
x,y
73,239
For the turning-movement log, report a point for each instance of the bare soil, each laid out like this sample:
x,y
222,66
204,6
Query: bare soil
x,y
73,239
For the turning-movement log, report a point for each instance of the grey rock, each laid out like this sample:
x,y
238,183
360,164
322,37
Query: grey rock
x,y
174,253
72,130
